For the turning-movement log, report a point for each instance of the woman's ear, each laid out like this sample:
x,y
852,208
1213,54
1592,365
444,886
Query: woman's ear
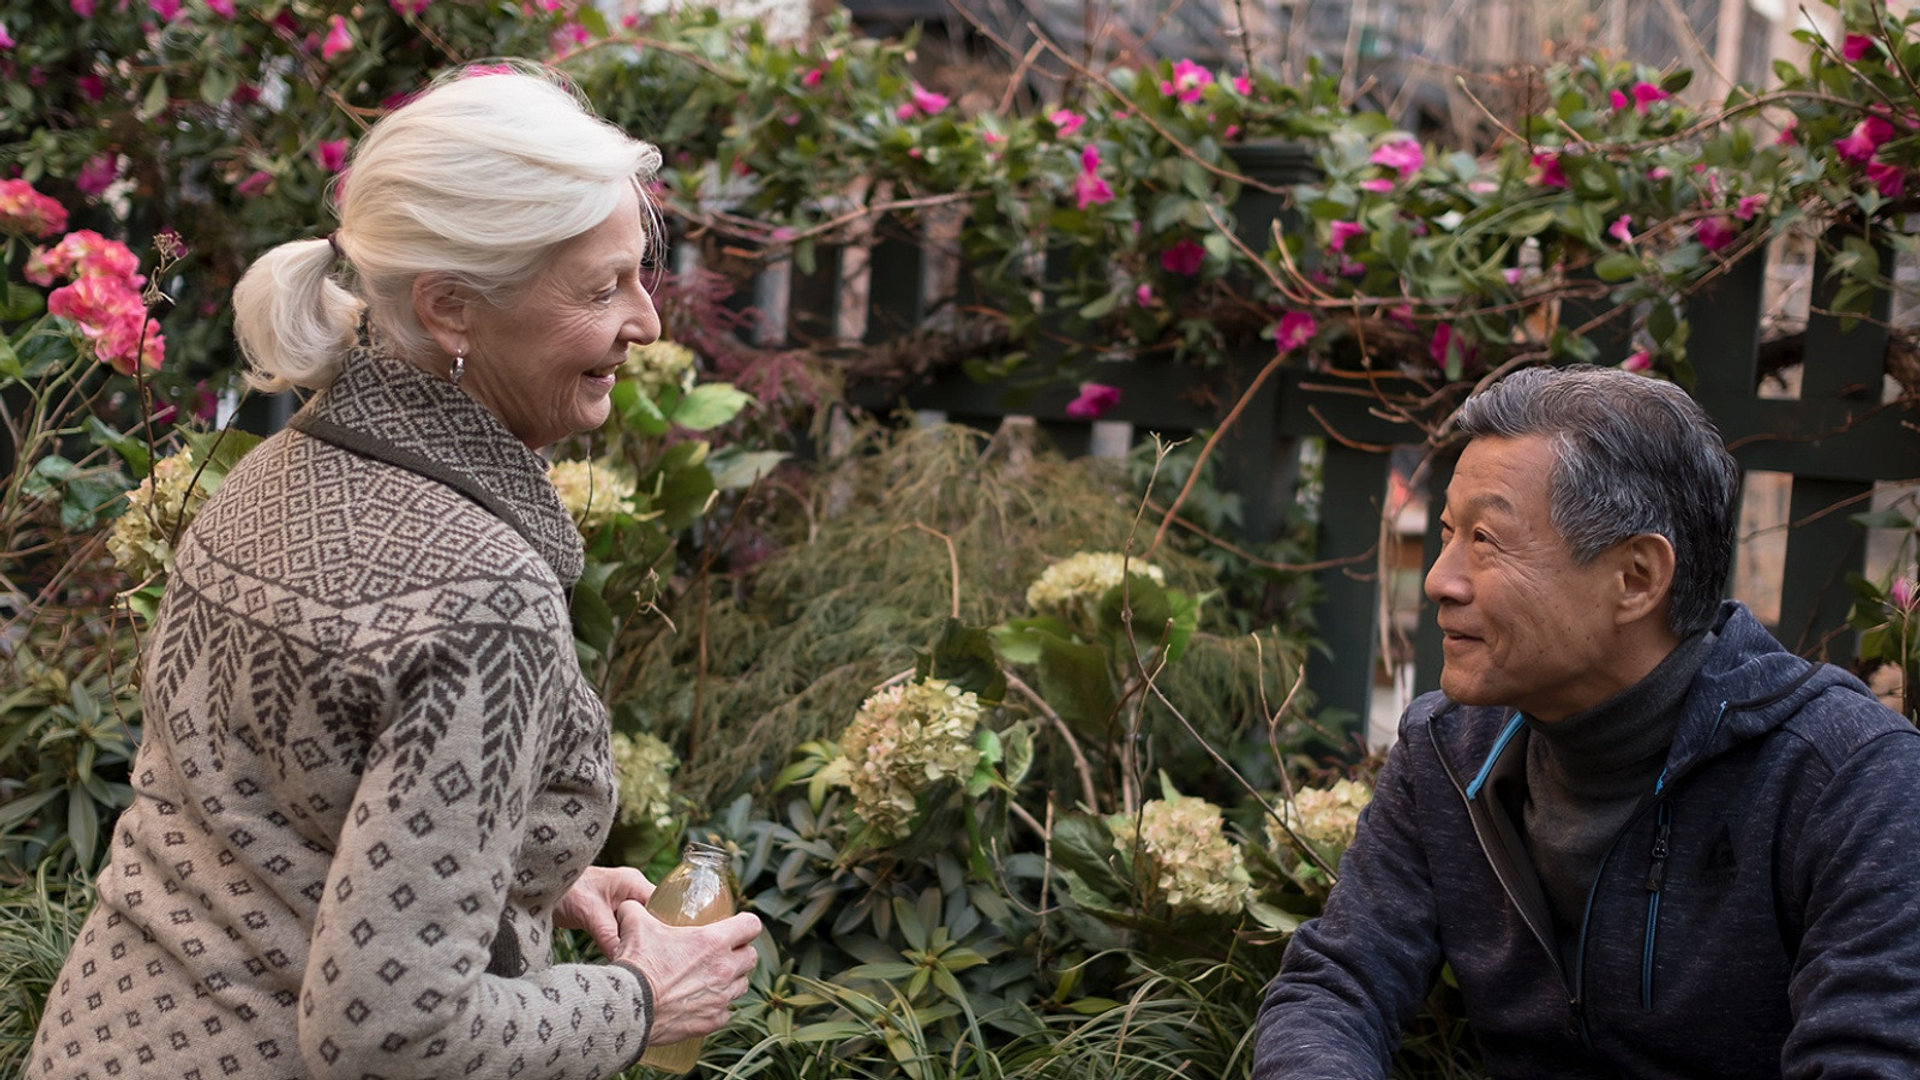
x,y
444,308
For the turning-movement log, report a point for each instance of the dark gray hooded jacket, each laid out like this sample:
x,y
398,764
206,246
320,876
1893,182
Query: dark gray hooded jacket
x,y
1758,916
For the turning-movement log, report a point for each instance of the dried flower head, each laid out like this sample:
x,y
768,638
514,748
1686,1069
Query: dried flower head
x,y
903,740
1071,589
158,511
1180,843
591,491
1325,817
641,767
659,366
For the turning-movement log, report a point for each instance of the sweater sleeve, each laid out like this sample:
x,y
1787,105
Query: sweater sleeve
x,y
1855,989
1353,978
398,983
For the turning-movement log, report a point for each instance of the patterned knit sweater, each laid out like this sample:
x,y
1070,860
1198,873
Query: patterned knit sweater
x,y
371,765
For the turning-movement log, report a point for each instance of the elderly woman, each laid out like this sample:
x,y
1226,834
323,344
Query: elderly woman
x,y
374,777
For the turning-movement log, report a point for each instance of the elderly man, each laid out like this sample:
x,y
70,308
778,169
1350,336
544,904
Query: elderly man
x,y
1648,841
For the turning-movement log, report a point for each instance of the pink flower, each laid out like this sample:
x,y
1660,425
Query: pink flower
x,y
1513,274
1637,360
406,7
1855,46
1903,593
1749,205
1659,173
224,8
1867,135
927,101
84,253
1088,188
98,173
1402,155
166,9
338,39
1448,343
1618,99
1549,173
26,212
1343,231
1295,330
331,155
1788,136
1622,229
1184,258
1065,121
813,76
92,87
1377,184
1243,86
108,313
1189,82
255,183
1715,232
1143,295
1095,401
82,8
1645,94
1891,180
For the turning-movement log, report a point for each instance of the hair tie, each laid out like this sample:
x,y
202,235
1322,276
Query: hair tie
x,y
334,243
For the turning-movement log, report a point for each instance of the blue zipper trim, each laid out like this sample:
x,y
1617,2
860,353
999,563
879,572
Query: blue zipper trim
x,y
1656,881
1646,960
1500,744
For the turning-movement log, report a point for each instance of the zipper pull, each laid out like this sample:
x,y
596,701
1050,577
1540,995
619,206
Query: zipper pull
x,y
1657,872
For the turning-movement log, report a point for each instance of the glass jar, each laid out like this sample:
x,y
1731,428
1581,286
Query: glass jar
x,y
698,891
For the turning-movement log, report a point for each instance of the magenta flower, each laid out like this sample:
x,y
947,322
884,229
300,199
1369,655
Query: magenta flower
x,y
166,9
255,183
224,8
82,8
1617,98
1378,184
1788,136
1659,173
1095,400
26,212
331,155
406,7
1184,258
1547,170
1903,593
1749,205
338,39
1645,94
1865,138
1622,229
1637,360
1443,343
1715,233
1088,188
812,77
1513,274
1855,46
98,173
1065,121
1401,155
1343,231
1143,295
927,101
1295,330
1243,86
1189,82
1891,180
84,253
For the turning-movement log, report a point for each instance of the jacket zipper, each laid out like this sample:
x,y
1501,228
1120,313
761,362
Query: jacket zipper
x,y
1656,880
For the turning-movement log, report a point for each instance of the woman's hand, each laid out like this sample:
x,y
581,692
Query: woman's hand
x,y
695,971
591,903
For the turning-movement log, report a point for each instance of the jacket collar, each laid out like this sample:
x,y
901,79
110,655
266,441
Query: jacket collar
x,y
384,408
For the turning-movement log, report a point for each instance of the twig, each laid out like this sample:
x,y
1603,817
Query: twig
x,y
953,558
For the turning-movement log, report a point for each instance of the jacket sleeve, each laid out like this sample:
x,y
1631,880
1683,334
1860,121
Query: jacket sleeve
x,y
1855,871
411,973
1353,978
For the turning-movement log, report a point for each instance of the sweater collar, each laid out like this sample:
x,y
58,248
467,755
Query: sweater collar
x,y
1621,744
385,408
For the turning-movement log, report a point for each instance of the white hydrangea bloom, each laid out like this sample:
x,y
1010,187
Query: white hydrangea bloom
x,y
641,767
1326,817
904,739
660,365
1070,590
591,491
158,511
1195,866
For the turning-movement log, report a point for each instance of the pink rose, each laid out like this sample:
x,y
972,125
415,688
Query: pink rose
x,y
338,39
1095,401
1183,258
26,212
1295,329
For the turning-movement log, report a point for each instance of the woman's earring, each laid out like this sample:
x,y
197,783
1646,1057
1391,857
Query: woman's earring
x,y
459,368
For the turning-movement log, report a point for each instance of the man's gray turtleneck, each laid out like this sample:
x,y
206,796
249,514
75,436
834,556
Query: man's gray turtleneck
x,y
1587,773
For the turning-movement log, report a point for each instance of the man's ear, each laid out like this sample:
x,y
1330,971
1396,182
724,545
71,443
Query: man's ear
x,y
444,307
1645,564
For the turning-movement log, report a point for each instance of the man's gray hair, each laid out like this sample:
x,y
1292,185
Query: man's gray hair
x,y
1631,455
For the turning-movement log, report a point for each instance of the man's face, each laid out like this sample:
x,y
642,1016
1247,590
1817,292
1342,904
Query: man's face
x,y
1525,625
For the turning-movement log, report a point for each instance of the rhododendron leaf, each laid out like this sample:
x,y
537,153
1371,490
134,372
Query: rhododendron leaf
x,y
1082,844
131,450
1076,682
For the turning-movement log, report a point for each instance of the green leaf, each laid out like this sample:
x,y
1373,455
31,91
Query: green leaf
x,y
637,410
1075,682
155,101
1617,266
24,807
593,621
1884,518
964,656
1083,844
83,827
735,469
709,405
